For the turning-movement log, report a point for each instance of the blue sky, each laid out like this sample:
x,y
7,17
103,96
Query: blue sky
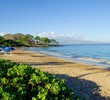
x,y
80,19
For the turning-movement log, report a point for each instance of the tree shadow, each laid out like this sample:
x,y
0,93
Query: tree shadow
x,y
38,56
104,68
20,53
108,68
44,63
83,88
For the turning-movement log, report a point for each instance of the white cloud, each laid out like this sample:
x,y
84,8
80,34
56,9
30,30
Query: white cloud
x,y
63,38
1,34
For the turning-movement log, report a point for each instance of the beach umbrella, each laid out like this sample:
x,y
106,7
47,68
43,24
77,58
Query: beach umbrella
x,y
9,48
6,50
2,47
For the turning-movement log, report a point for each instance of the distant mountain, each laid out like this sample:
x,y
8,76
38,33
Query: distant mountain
x,y
84,42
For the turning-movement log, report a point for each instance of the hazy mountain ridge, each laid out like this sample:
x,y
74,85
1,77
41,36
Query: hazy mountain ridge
x,y
85,42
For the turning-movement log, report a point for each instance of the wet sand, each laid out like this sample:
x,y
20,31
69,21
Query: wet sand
x,y
85,80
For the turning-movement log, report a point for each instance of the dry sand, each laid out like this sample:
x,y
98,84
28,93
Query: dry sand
x,y
85,80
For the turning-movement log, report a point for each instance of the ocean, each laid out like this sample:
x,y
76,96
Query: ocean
x,y
93,54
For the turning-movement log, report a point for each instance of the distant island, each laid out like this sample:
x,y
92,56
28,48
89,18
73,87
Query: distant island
x,y
19,39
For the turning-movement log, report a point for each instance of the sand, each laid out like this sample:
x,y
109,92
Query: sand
x,y
85,80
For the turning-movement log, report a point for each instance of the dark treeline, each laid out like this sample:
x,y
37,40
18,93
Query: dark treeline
x,y
28,40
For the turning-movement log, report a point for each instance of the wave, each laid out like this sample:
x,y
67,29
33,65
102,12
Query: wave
x,y
101,61
57,54
91,61
85,54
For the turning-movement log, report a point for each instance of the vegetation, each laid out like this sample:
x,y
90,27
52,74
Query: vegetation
x,y
1,39
20,39
21,82
37,38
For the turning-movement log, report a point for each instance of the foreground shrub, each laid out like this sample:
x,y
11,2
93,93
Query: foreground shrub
x,y
21,82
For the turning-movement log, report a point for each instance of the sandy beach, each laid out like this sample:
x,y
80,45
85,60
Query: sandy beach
x,y
85,80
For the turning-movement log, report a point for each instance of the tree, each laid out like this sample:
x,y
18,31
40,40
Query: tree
x,y
11,43
57,43
20,39
52,41
18,36
29,36
45,40
9,37
37,38
1,39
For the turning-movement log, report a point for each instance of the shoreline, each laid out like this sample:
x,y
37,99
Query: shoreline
x,y
85,80
101,63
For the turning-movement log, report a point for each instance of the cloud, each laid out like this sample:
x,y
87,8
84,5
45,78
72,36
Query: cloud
x,y
2,34
62,38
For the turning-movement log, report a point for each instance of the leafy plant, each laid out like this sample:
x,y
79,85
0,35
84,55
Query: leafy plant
x,y
21,82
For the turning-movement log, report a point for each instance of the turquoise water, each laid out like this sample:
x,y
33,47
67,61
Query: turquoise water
x,y
96,54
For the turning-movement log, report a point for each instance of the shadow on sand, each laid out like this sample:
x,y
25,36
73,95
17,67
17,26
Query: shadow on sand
x,y
45,63
83,88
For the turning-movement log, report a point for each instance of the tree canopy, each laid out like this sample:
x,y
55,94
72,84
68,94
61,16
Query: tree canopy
x,y
20,39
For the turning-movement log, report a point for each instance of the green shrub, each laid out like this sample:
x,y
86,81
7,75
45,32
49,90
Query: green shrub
x,y
21,82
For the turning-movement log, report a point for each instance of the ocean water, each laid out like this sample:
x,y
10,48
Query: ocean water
x,y
94,54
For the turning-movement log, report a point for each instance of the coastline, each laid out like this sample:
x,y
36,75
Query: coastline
x,y
85,80
87,58
86,61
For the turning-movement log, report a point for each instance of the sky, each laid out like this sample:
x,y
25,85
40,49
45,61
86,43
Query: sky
x,y
63,19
